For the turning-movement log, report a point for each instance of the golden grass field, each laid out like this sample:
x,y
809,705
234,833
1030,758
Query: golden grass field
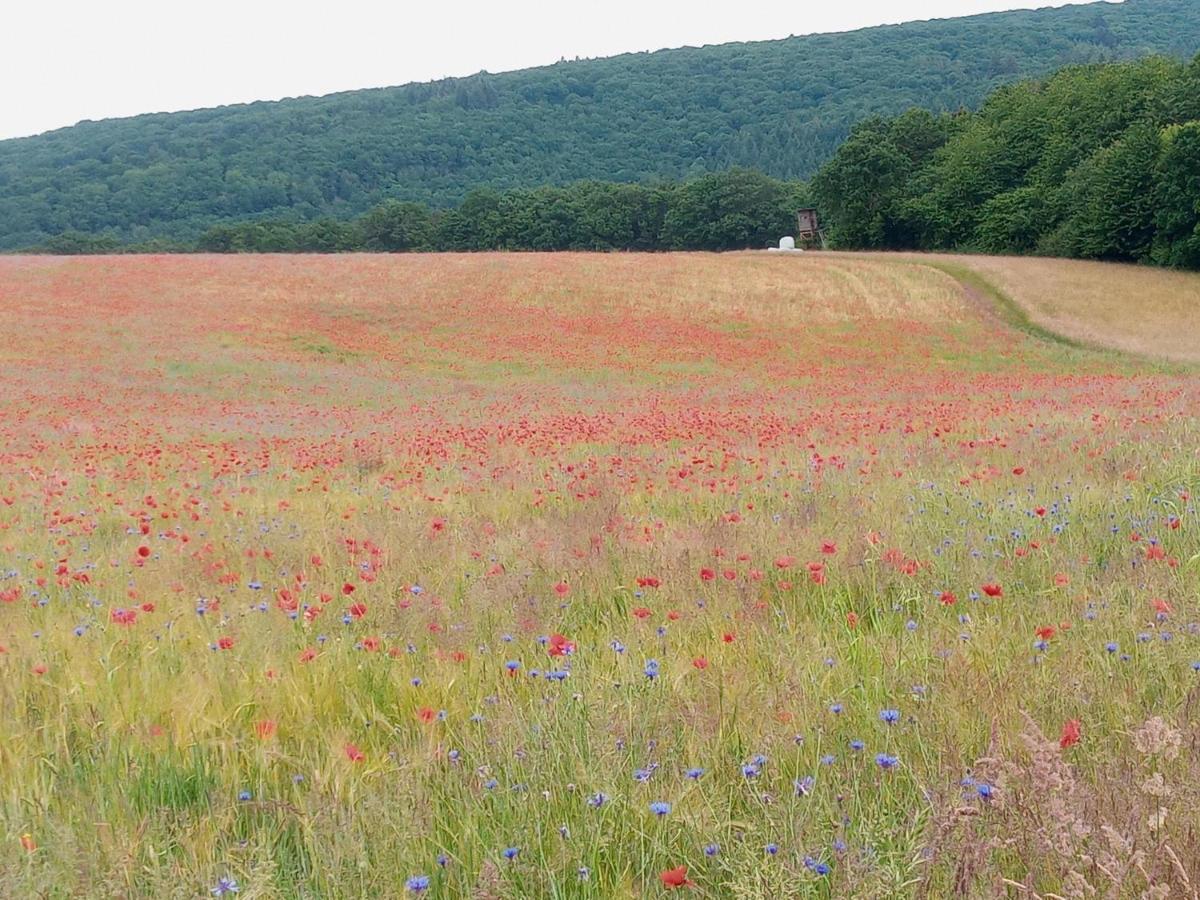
x,y
1144,311
555,576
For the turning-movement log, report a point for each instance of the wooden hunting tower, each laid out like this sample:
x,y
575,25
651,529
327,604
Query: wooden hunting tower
x,y
808,229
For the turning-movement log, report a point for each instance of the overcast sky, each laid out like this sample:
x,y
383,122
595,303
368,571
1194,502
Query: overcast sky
x,y
61,62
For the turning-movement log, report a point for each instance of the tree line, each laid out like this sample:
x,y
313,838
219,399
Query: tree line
x,y
1097,161
728,210
781,107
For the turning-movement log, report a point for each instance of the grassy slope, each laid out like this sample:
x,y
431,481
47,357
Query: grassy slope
x,y
1147,312
1153,314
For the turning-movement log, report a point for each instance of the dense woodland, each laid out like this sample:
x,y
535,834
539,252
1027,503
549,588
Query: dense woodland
x,y
1097,161
781,107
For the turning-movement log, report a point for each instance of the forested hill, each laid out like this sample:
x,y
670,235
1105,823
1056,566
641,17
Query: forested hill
x,y
779,106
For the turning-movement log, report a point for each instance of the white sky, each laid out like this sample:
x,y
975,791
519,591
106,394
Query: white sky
x,y
64,61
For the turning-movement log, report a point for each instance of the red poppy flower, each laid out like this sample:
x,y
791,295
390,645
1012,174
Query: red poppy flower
x,y
993,590
1070,734
354,754
560,646
675,878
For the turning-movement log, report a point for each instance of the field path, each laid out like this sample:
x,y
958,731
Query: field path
x,y
1146,312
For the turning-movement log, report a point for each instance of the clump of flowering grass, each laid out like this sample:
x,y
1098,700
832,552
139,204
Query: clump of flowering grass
x,y
600,576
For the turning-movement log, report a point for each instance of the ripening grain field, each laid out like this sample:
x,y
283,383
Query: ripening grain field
x,y
748,576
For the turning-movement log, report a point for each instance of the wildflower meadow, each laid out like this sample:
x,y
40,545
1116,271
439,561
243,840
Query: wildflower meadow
x,y
556,576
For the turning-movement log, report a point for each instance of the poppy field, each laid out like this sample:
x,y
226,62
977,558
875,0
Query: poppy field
x,y
556,576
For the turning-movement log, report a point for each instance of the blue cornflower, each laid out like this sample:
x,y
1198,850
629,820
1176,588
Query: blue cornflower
x,y
225,885
828,759
695,774
641,776
443,860
417,883
750,770
712,849
816,866
597,800
890,716
772,849
491,784
244,796
857,745
984,790
886,761
836,709
651,669
660,808
512,665
510,853
584,873
1112,647
803,786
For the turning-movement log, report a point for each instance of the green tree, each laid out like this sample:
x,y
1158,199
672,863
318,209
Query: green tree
x,y
394,226
1177,198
